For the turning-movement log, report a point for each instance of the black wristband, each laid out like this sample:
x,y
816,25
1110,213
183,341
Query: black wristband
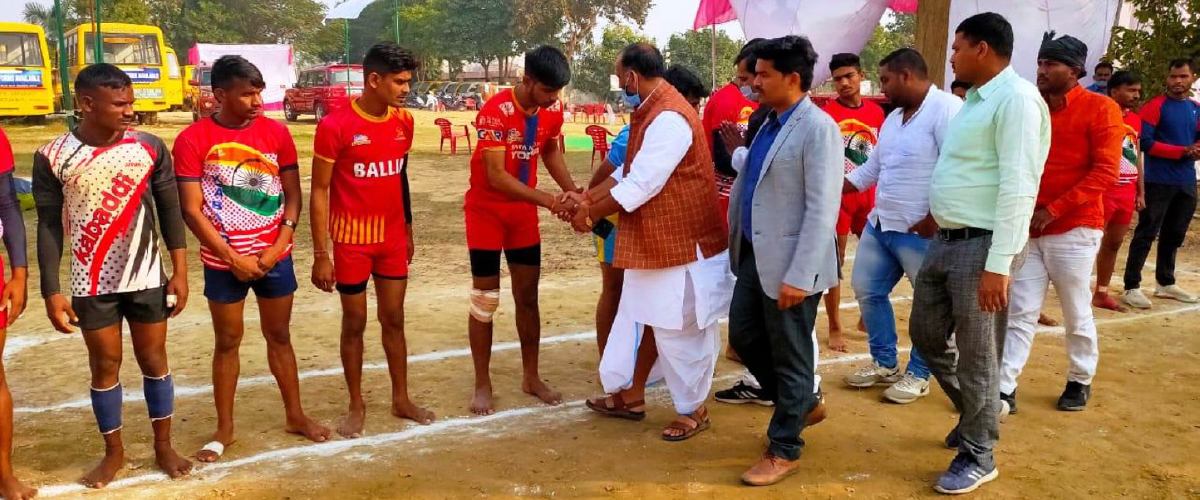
x,y
288,222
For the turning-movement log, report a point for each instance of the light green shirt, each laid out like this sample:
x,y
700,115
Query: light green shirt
x,y
991,163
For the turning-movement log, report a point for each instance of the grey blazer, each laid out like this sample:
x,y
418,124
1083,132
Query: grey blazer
x,y
795,205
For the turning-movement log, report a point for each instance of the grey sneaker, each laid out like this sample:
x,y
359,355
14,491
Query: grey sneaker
x,y
1174,292
872,374
908,389
1135,299
964,476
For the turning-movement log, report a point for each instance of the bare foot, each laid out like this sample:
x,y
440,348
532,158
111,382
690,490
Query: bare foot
x,y
14,490
862,327
114,459
1043,319
1103,300
537,387
836,341
482,404
353,423
406,409
221,436
170,462
308,428
732,355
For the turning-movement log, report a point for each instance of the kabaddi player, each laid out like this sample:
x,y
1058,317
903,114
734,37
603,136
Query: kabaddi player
x,y
516,127
12,304
239,185
360,165
109,184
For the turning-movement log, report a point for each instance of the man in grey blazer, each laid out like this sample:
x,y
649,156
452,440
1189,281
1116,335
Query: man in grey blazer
x,y
782,213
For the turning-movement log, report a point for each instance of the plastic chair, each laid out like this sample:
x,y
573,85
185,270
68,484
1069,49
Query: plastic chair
x,y
448,132
600,145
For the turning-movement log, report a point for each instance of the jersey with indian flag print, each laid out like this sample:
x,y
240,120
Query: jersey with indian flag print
x,y
860,130
239,173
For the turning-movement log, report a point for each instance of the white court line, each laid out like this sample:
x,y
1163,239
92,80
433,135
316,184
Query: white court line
x,y
414,431
135,395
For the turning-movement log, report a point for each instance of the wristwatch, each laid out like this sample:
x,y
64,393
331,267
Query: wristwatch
x,y
288,222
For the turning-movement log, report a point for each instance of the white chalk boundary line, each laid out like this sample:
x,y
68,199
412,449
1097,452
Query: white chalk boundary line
x,y
414,431
133,395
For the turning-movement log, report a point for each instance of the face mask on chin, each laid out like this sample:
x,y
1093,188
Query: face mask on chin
x,y
632,99
749,93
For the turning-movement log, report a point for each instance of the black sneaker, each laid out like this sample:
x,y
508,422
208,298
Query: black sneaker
x,y
743,393
1011,398
1074,397
953,439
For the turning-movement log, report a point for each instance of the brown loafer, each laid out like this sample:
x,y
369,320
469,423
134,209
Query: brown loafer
x,y
770,470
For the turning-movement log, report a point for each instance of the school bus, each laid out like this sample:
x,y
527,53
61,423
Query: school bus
x,y
138,50
26,77
189,87
174,91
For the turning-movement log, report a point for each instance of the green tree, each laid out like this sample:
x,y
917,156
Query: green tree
x,y
478,31
595,64
900,32
693,50
577,18
1169,30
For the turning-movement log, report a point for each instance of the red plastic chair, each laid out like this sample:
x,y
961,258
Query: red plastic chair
x,y
469,104
600,145
448,132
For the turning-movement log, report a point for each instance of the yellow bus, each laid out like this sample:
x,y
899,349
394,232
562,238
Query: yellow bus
x,y
174,81
190,91
26,77
138,50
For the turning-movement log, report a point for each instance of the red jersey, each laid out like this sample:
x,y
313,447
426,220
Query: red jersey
x,y
1129,149
727,105
503,124
238,170
369,154
860,130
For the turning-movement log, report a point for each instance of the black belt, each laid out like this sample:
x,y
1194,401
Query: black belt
x,y
964,233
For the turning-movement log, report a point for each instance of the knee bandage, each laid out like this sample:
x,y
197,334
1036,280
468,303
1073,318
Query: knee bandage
x,y
484,304
160,396
106,405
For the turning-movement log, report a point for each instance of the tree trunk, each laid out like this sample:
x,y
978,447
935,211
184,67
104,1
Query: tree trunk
x,y
933,30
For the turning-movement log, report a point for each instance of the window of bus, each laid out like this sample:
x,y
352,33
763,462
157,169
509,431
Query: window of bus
x,y
205,77
20,49
124,49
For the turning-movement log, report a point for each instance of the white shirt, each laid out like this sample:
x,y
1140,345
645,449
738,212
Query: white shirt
x,y
655,296
902,163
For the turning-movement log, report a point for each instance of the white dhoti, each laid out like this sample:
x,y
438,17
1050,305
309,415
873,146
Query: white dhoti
x,y
682,305
620,356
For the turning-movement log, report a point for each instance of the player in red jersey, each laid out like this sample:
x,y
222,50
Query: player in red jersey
x,y
360,164
860,121
516,127
12,295
734,104
1128,195
239,188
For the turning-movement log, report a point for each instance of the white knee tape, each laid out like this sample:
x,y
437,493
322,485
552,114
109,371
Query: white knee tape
x,y
484,304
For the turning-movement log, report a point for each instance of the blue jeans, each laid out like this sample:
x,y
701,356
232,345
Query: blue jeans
x,y
882,258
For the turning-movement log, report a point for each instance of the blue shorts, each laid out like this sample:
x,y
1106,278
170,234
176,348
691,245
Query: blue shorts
x,y
222,287
606,247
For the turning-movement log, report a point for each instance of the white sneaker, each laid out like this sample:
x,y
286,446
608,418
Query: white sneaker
x,y
907,390
1004,408
1174,292
1135,299
872,374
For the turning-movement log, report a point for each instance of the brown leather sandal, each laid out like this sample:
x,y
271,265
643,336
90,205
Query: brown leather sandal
x,y
690,426
613,405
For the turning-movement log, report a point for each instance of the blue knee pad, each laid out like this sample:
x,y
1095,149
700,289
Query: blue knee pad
x,y
106,405
160,396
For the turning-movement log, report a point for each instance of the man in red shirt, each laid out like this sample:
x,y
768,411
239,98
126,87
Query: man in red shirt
x,y
1068,222
516,127
360,158
732,103
1128,195
12,294
239,187
860,121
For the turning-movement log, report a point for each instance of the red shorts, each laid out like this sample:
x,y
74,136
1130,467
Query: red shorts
x,y
355,264
1120,203
855,209
501,225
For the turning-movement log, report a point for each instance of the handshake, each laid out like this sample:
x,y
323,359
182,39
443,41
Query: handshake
x,y
574,208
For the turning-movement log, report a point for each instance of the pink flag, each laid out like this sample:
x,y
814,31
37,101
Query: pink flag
x,y
903,6
713,12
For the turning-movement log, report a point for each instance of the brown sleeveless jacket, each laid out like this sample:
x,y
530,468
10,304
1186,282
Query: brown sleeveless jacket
x,y
665,231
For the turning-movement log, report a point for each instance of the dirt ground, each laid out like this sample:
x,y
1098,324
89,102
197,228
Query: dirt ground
x,y
1137,439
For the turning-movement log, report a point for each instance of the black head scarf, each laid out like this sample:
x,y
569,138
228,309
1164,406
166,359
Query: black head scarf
x,y
1066,49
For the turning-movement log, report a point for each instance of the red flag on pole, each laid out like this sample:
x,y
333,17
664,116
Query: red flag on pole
x,y
713,12
904,6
